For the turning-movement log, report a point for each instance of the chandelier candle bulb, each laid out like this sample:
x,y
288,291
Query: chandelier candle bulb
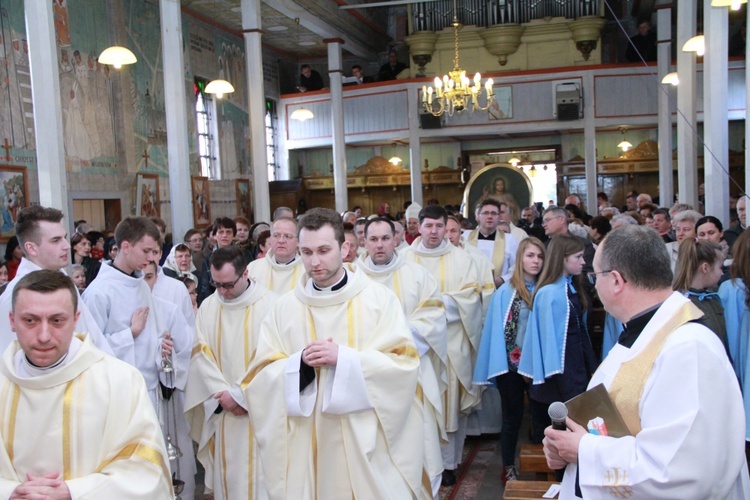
x,y
424,93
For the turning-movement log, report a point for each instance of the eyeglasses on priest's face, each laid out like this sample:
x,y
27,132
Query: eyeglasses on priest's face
x,y
226,286
592,275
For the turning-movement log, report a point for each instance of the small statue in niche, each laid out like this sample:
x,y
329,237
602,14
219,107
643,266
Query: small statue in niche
x,y
426,164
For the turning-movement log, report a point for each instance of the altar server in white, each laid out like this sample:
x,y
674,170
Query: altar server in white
x,y
671,381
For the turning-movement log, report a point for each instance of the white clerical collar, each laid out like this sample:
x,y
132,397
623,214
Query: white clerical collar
x,y
381,267
317,290
25,369
241,297
439,248
276,261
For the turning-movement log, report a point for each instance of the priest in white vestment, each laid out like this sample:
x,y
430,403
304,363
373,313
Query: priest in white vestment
x,y
458,280
499,247
671,381
120,302
422,304
281,267
76,422
43,239
336,369
227,330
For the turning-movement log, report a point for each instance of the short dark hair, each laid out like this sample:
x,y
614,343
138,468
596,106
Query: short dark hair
x,y
433,212
490,201
304,66
601,224
133,229
316,218
662,211
638,253
159,223
229,255
45,281
706,219
602,195
357,66
27,223
94,236
263,237
226,223
380,219
242,220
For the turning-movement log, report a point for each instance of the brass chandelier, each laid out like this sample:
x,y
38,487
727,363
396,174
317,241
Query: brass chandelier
x,y
454,92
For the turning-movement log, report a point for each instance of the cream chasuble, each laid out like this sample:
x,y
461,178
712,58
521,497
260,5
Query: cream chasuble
x,y
356,430
279,278
225,342
423,306
457,277
486,277
89,419
503,252
691,442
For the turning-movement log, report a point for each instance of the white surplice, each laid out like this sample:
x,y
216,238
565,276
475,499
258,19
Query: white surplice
x,y
88,418
692,438
279,278
85,323
355,431
225,343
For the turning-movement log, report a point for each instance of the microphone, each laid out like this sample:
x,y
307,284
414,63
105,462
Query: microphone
x,y
557,413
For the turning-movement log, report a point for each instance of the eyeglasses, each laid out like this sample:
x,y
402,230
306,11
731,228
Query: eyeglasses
x,y
489,214
283,236
592,275
227,286
545,221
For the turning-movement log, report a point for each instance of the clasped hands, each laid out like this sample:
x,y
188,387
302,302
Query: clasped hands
x,y
321,352
42,487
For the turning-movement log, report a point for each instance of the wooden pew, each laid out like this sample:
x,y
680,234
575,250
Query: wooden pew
x,y
532,460
518,490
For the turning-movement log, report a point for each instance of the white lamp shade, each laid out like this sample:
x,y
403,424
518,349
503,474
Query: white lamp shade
x,y
219,87
302,114
395,160
734,4
696,44
671,79
117,56
514,161
625,145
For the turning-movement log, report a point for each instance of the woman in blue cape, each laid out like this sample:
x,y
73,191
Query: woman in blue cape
x,y
500,351
557,354
736,301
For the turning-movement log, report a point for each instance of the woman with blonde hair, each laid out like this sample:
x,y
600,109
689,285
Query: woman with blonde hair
x,y
736,301
500,347
698,273
557,354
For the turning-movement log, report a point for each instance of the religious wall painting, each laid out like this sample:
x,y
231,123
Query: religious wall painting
x,y
201,201
147,195
15,196
502,108
233,135
501,182
242,191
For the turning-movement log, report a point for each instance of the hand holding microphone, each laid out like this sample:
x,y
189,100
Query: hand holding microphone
x,y
558,412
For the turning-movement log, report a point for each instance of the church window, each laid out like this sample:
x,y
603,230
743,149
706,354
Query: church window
x,y
208,148
271,138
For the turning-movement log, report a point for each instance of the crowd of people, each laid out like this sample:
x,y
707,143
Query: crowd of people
x,y
326,355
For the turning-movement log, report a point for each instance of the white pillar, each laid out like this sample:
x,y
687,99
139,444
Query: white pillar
x,y
687,172
415,148
175,106
715,114
666,92
256,103
589,137
45,92
337,124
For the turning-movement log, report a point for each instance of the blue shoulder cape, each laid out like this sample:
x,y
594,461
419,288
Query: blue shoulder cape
x,y
737,316
492,358
612,330
543,352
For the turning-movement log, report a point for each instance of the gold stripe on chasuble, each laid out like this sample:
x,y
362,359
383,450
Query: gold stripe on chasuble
x,y
218,339
252,374
201,347
405,350
224,461
250,461
397,286
141,451
473,285
442,273
350,322
431,303
12,421
246,336
311,325
67,403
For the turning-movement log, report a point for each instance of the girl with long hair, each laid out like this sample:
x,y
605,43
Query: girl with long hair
x,y
500,347
557,354
698,273
80,253
736,301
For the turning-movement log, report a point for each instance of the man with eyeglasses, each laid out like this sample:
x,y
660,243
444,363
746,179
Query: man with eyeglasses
x,y
226,338
669,378
281,267
194,240
499,247
224,231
